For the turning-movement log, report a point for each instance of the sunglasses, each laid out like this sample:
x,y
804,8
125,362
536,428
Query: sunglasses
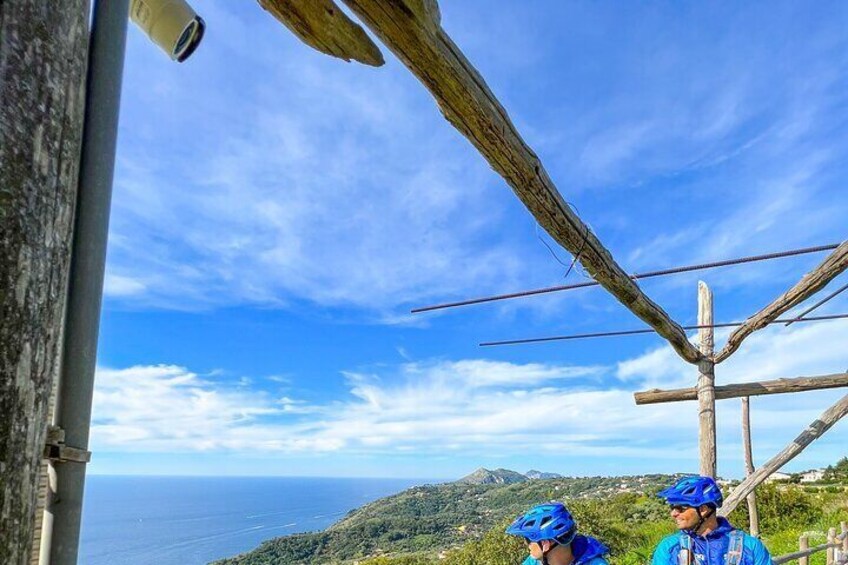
x,y
679,508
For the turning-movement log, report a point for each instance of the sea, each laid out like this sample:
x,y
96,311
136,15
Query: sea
x,y
195,520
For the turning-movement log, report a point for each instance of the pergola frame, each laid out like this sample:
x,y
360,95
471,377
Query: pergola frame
x,y
412,30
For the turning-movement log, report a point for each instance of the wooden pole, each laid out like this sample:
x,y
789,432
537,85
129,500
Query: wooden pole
x,y
706,383
831,551
324,27
753,515
42,88
412,30
722,392
809,284
803,545
844,527
814,431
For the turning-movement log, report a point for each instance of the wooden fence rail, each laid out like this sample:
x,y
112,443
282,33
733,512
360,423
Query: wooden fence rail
x,y
836,547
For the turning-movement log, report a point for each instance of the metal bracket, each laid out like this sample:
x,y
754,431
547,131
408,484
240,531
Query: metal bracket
x,y
55,449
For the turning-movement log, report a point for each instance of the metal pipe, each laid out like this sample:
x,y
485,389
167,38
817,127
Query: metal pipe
x,y
651,330
88,259
634,276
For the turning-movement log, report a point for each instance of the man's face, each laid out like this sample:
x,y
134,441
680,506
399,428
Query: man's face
x,y
685,517
536,548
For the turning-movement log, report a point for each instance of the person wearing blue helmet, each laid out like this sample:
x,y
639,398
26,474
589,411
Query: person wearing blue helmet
x,y
704,538
552,538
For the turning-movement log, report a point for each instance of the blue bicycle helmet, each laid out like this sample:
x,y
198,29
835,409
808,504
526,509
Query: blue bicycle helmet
x,y
550,521
693,491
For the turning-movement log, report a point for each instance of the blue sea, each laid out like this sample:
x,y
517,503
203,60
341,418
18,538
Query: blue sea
x,y
195,520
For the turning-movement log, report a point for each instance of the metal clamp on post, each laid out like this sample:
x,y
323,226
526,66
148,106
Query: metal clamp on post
x,y
55,449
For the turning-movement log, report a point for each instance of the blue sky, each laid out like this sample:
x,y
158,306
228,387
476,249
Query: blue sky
x,y
277,213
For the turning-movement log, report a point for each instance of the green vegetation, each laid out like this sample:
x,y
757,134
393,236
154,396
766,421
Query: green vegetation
x,y
463,524
838,472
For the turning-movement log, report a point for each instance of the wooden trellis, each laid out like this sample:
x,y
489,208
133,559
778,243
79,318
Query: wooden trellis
x,y
412,30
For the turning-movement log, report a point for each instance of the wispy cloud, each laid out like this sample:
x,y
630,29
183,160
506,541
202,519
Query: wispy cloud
x,y
286,177
469,406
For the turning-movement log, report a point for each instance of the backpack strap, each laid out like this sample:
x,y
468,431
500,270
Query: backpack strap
x,y
734,548
684,556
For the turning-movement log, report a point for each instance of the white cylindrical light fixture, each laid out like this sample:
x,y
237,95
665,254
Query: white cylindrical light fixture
x,y
172,25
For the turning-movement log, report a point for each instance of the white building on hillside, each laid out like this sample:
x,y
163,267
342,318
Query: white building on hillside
x,y
812,476
778,476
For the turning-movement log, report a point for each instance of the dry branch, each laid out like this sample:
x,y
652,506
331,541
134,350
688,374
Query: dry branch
x,y
811,283
813,432
777,386
412,30
324,27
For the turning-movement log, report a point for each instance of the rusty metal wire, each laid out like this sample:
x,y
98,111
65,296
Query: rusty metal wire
x,y
833,294
649,331
660,273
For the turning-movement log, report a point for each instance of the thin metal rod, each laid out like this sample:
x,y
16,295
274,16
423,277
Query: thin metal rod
x,y
649,331
817,304
663,272
88,259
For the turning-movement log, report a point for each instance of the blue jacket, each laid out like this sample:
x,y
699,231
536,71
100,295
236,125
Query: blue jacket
x,y
586,550
710,550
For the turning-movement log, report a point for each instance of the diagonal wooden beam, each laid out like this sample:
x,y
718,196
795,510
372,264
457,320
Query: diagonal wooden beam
x,y
413,32
811,283
777,386
324,27
814,431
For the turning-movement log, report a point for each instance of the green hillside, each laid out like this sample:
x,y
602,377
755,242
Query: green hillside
x,y
434,518
463,524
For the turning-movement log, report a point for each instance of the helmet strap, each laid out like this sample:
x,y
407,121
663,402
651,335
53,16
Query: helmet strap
x,y
702,519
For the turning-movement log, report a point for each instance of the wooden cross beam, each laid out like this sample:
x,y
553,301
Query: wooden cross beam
x,y
777,386
812,282
412,30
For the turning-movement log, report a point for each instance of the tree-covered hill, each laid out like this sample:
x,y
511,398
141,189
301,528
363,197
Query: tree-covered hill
x,y
463,524
433,518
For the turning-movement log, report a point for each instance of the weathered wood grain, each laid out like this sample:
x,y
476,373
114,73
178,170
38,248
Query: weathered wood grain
x,y
324,27
814,431
777,386
812,282
43,48
411,29
706,384
753,514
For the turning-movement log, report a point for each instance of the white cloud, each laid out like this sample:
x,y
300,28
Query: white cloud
x,y
473,407
335,184
115,285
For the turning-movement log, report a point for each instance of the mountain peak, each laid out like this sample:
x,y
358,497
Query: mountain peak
x,y
484,476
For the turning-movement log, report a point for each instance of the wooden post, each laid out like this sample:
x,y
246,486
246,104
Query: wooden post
x,y
803,545
706,383
753,515
844,527
831,551
42,88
